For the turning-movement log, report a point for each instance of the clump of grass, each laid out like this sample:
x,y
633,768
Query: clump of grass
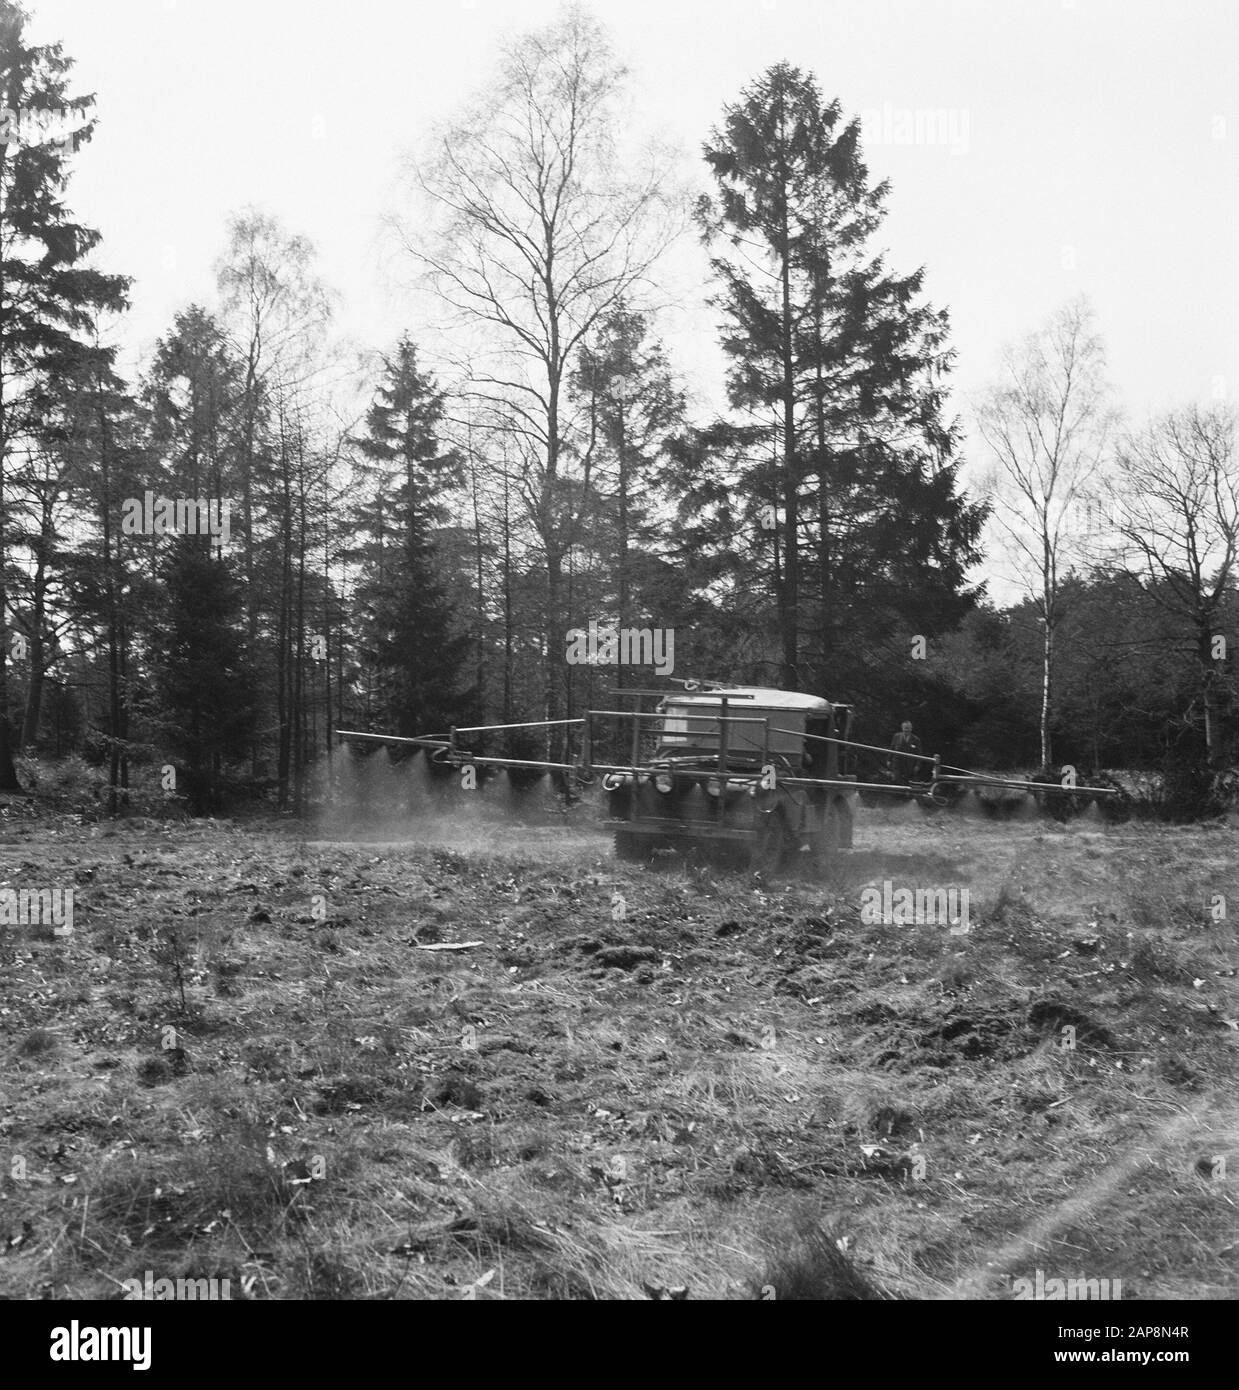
x,y
1154,960
39,1042
267,1061
877,1112
457,1089
1175,1070
155,1071
478,1149
228,1186
496,1221
493,1147
1033,1084
812,1267
1007,908
953,975
330,1274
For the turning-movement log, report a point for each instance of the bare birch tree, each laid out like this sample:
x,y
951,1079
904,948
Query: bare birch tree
x,y
274,305
1047,421
1180,485
535,233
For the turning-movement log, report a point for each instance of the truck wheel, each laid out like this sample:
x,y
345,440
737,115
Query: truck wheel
x,y
773,848
838,825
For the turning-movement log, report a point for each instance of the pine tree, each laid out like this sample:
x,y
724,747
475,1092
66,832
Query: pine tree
x,y
101,433
49,299
846,466
632,405
202,669
194,393
410,644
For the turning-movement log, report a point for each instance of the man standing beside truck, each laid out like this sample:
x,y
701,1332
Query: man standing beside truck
x,y
905,741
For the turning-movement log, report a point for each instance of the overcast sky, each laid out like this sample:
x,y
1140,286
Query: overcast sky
x,y
1090,146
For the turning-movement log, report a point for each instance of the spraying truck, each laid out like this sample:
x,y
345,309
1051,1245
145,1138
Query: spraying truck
x,y
735,774
745,776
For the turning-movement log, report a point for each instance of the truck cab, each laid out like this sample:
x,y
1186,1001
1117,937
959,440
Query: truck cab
x,y
736,769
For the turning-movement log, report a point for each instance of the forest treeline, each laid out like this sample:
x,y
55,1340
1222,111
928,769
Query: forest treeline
x,y
258,537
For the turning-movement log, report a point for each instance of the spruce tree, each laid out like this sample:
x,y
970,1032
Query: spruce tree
x,y
101,434
194,393
49,295
632,404
410,644
202,668
836,371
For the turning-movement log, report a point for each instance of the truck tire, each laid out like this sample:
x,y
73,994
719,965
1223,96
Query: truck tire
x,y
772,848
838,825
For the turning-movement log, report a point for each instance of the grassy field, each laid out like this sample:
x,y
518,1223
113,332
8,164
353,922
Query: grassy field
x,y
249,1061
